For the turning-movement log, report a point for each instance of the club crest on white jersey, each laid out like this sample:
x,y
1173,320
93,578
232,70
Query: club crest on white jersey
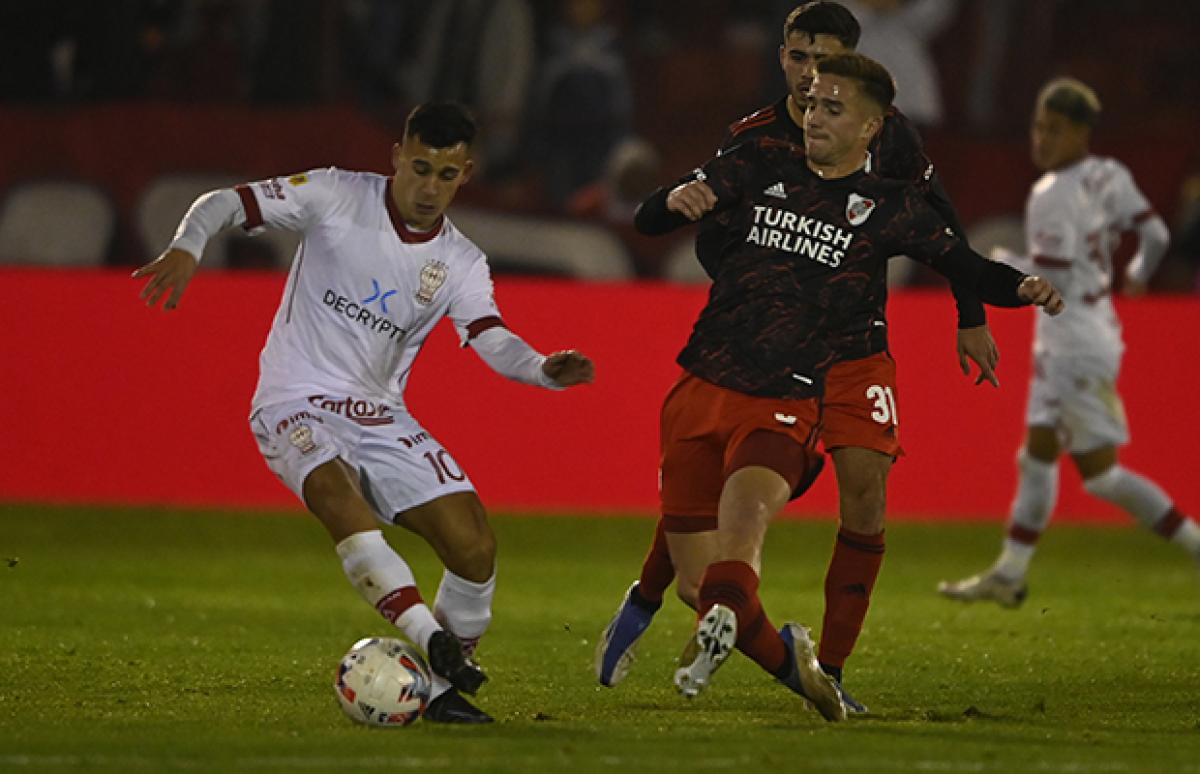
x,y
433,276
858,209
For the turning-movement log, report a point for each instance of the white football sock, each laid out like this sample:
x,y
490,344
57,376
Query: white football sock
x,y
1037,494
1014,559
465,607
1143,499
384,579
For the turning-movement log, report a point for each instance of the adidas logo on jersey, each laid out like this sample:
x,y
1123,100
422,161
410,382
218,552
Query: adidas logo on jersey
x,y
778,191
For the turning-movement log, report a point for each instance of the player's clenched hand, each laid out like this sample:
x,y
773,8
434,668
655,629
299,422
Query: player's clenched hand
x,y
569,367
691,200
978,345
169,272
1040,292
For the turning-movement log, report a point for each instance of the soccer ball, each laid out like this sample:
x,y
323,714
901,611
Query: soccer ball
x,y
383,682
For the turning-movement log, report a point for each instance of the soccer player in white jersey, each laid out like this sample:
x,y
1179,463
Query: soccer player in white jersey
x,y
378,267
1073,219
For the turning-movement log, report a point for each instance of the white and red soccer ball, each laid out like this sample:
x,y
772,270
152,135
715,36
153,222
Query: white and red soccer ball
x,y
383,682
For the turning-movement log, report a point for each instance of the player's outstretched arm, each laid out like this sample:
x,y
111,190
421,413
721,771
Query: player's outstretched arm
x,y
1040,292
169,275
666,210
692,200
996,283
508,355
1153,240
569,367
171,271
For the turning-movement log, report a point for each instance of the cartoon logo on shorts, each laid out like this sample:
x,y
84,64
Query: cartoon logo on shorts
x,y
433,276
302,438
858,209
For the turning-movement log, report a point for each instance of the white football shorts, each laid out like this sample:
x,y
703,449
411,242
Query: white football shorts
x,y
400,465
1078,397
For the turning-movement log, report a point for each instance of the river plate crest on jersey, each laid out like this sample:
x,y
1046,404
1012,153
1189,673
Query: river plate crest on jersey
x,y
858,209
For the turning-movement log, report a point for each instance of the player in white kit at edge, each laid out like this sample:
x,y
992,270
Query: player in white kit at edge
x,y
378,267
1073,221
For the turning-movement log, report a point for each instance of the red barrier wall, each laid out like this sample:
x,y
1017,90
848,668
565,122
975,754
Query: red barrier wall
x,y
107,401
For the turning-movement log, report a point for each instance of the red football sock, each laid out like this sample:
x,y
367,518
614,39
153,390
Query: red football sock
x,y
848,584
657,570
735,585
1170,523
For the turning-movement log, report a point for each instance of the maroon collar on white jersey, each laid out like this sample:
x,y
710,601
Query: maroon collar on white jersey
x,y
405,233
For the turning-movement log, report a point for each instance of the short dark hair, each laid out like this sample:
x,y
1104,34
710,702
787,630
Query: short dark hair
x,y
441,124
873,78
823,18
1073,99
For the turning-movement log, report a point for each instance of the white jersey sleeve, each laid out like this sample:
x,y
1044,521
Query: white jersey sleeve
x,y
209,215
508,355
292,204
473,307
1127,205
289,203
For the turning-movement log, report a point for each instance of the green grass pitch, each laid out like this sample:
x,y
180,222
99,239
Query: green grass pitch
x,y
149,640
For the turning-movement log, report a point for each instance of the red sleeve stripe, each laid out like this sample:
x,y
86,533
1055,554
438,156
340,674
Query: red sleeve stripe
x,y
254,217
761,118
483,324
1142,217
1051,263
746,126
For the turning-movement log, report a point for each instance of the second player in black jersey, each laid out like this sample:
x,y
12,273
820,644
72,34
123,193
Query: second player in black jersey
x,y
801,280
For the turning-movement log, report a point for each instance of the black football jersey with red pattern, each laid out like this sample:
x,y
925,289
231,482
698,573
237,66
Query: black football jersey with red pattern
x,y
802,280
897,153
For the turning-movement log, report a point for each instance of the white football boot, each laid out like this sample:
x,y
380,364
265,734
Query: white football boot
x,y
708,648
989,586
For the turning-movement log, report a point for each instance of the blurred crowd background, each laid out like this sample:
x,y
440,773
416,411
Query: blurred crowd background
x,y
115,114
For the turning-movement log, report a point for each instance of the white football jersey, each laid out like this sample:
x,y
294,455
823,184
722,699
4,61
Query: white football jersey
x,y
364,291
1073,222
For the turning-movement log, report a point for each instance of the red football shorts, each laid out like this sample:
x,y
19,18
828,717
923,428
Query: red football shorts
x,y
708,432
859,407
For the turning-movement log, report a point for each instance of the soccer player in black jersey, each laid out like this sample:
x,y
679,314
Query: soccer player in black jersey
x,y
811,32
795,316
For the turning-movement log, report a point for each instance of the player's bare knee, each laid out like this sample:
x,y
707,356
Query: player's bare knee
x,y
1096,463
863,509
334,499
473,559
1041,444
